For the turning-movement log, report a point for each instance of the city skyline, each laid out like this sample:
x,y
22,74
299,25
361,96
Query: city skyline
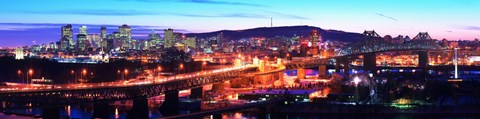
x,y
41,20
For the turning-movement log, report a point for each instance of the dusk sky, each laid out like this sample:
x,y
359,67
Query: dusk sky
x,y
25,21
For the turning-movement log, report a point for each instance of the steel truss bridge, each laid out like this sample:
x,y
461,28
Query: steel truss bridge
x,y
118,92
373,43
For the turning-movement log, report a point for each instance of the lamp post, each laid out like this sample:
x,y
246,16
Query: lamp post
x,y
203,64
159,69
120,73
84,75
19,72
125,73
181,67
30,73
74,75
356,81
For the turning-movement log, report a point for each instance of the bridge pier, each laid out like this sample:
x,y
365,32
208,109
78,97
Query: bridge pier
x,y
423,59
280,77
346,68
301,73
337,66
322,71
139,109
171,105
196,93
101,110
218,87
50,113
241,82
370,62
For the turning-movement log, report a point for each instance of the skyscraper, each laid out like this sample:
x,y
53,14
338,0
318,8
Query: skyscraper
x,y
81,43
315,38
83,30
95,40
103,32
116,41
66,39
125,33
155,38
168,38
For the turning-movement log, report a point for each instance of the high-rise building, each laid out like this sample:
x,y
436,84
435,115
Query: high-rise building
x,y
66,39
168,37
154,38
125,33
82,30
95,40
65,44
315,38
67,30
81,43
103,32
19,53
117,42
53,46
220,40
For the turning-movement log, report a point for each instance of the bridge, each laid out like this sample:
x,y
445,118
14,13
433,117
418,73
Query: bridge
x,y
81,93
375,44
372,43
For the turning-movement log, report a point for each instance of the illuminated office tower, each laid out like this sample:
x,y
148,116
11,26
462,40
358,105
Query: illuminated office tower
x,y
116,41
53,46
81,43
95,40
168,38
315,38
155,38
66,40
125,33
19,55
103,32
82,30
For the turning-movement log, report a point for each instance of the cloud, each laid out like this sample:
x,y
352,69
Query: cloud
x,y
449,31
101,12
232,15
284,15
466,27
221,2
136,13
385,16
213,2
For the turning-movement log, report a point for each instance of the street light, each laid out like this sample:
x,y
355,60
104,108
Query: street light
x,y
30,73
159,68
74,75
126,73
19,72
203,64
84,75
180,67
356,80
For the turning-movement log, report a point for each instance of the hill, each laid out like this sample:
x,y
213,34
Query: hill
x,y
286,31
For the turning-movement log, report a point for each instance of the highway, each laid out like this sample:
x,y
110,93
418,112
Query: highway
x,y
118,84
